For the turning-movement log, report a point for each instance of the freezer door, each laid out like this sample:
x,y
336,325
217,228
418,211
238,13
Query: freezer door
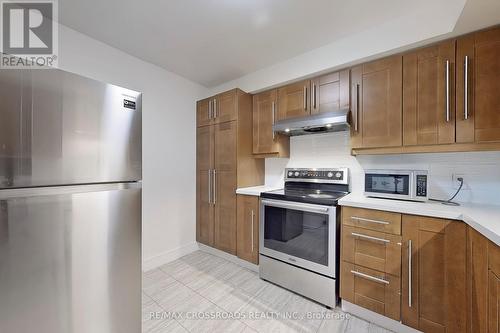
x,y
70,259
60,128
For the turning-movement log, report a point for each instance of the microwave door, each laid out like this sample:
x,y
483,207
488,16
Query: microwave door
x,y
299,234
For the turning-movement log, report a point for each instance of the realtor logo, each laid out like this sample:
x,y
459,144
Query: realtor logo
x,y
29,33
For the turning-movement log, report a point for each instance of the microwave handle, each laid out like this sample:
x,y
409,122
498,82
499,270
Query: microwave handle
x,y
297,206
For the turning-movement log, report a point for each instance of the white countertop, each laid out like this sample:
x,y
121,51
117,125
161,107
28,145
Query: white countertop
x,y
483,218
257,190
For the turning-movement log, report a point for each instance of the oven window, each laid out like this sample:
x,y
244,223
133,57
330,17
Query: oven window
x,y
391,184
297,233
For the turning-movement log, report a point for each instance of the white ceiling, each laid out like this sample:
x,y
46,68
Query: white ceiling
x,y
215,41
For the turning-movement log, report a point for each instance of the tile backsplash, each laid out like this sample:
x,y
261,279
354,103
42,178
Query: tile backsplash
x,y
480,170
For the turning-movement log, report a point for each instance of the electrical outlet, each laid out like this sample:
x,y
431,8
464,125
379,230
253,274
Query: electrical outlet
x,y
456,182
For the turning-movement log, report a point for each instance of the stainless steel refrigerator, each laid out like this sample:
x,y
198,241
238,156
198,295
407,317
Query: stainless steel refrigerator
x,y
70,204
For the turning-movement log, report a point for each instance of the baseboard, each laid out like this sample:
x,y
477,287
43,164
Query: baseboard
x,y
229,257
376,318
168,256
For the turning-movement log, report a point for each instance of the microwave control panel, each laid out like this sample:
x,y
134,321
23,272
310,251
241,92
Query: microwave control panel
x,y
421,185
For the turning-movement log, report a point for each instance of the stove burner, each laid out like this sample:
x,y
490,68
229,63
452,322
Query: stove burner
x,y
320,196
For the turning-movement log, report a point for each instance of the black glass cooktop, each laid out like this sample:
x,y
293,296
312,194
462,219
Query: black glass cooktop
x,y
320,194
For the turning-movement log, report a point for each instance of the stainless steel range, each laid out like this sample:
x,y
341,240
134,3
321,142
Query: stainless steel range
x,y
299,233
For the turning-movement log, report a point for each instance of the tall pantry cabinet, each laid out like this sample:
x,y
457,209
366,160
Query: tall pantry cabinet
x,y
224,162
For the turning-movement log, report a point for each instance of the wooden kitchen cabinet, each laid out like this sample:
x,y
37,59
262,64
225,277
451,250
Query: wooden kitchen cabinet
x,y
294,99
371,260
377,103
429,95
265,141
204,112
478,101
248,228
483,283
204,167
224,161
330,92
433,274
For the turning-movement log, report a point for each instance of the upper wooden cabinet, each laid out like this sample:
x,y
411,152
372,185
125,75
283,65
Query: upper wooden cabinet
x,y
478,100
330,92
434,274
294,100
429,95
377,103
204,112
265,140
218,109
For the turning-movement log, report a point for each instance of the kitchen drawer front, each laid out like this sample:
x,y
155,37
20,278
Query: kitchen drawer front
x,y
372,249
376,220
370,289
494,258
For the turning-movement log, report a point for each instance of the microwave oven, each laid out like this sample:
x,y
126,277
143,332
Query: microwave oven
x,y
397,184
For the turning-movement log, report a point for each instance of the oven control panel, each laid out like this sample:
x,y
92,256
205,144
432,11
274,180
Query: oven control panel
x,y
336,176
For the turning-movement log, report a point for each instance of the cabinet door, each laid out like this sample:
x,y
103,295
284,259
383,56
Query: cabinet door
x,y
380,109
204,112
433,274
204,208
225,211
477,282
226,106
330,92
204,185
247,240
428,95
493,301
264,116
293,100
225,146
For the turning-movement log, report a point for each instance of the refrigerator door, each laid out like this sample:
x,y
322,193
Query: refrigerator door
x,y
60,128
70,259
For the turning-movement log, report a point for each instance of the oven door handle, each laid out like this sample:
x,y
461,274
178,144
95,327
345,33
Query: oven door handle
x,y
297,206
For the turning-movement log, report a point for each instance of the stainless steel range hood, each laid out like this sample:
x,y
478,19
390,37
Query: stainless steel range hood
x,y
335,121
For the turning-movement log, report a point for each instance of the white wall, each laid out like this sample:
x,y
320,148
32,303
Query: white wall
x,y
168,139
480,170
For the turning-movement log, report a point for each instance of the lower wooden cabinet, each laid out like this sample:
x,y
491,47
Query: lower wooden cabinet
x,y
247,240
371,289
433,274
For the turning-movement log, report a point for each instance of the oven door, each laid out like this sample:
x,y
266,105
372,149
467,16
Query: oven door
x,y
301,234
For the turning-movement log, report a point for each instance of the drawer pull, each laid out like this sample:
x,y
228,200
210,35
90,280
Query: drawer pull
x,y
376,239
369,277
368,220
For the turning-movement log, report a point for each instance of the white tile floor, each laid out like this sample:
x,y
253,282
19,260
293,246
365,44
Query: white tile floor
x,y
228,298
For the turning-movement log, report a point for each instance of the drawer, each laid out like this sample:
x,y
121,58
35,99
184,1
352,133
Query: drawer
x,y
370,289
372,249
494,258
376,220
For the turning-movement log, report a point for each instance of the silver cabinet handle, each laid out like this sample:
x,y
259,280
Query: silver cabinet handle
x,y
214,187
409,273
368,220
209,110
210,186
466,87
369,277
215,112
305,98
252,217
447,80
274,117
376,239
314,96
357,108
